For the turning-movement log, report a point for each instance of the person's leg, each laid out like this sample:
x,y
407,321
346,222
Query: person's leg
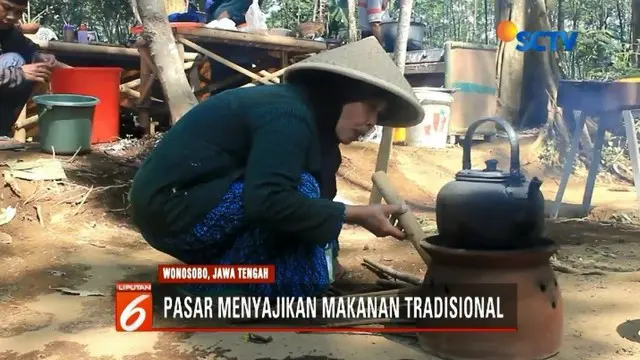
x,y
224,238
12,101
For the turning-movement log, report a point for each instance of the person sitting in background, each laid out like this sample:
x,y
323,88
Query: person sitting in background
x,y
248,176
370,16
21,67
227,9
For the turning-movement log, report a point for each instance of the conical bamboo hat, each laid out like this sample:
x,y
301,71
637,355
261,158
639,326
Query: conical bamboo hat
x,y
366,61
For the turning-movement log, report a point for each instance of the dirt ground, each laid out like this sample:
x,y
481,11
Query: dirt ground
x,y
82,239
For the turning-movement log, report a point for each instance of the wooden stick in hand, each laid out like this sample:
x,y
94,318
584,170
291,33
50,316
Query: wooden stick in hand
x,y
408,220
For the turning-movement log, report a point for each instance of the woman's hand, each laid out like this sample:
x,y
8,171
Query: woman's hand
x,y
377,219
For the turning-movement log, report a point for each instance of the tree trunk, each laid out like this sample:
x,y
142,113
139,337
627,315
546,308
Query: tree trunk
x,y
474,24
509,63
351,20
170,71
635,26
404,24
620,14
560,15
486,22
136,15
541,85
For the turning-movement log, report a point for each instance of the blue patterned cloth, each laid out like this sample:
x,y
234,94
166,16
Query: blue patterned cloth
x,y
224,237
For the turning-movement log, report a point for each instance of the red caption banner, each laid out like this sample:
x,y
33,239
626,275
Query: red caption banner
x,y
216,274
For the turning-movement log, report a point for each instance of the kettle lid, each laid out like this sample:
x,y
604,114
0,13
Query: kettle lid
x,y
490,173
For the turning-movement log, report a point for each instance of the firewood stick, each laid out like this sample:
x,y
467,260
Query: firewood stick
x,y
392,284
380,274
411,279
39,215
412,291
407,220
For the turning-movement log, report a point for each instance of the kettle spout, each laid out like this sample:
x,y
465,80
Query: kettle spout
x,y
534,187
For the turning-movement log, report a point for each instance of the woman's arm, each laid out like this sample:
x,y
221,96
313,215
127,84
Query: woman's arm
x,y
278,153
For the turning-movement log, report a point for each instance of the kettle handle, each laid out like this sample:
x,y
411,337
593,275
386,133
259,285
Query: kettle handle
x,y
513,141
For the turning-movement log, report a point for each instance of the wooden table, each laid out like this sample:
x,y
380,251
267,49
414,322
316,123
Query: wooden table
x,y
604,102
263,41
220,46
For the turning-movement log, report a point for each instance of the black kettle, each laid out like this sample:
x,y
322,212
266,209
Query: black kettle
x,y
490,209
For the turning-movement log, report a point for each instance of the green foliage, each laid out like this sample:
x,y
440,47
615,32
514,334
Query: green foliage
x,y
288,14
111,19
602,56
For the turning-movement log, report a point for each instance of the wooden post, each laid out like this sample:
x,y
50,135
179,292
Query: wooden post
x,y
166,57
400,55
284,61
145,82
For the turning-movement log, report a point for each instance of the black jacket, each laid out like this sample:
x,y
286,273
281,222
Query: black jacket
x,y
14,41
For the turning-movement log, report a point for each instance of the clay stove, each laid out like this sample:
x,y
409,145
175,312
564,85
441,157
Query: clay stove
x,y
490,231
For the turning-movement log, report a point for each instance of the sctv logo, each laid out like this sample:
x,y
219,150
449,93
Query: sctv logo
x,y
528,41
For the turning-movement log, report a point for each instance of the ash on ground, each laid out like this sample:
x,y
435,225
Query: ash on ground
x,y
131,150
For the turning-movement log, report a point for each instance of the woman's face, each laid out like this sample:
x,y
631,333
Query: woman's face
x,y
357,119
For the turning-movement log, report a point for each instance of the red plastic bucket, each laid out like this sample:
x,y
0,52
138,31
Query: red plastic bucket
x,y
101,82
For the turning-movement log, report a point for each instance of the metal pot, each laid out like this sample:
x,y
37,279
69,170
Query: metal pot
x,y
417,32
490,209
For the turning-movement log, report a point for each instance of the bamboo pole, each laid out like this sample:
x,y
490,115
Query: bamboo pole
x,y
270,77
26,122
223,61
400,56
20,134
266,73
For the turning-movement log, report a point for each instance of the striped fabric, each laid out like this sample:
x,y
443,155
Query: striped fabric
x,y
370,11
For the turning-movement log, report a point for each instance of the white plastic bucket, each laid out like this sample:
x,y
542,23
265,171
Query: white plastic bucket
x,y
433,131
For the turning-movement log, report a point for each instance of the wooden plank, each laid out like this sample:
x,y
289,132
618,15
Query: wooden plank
x,y
425,68
86,48
471,46
59,46
634,153
270,42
